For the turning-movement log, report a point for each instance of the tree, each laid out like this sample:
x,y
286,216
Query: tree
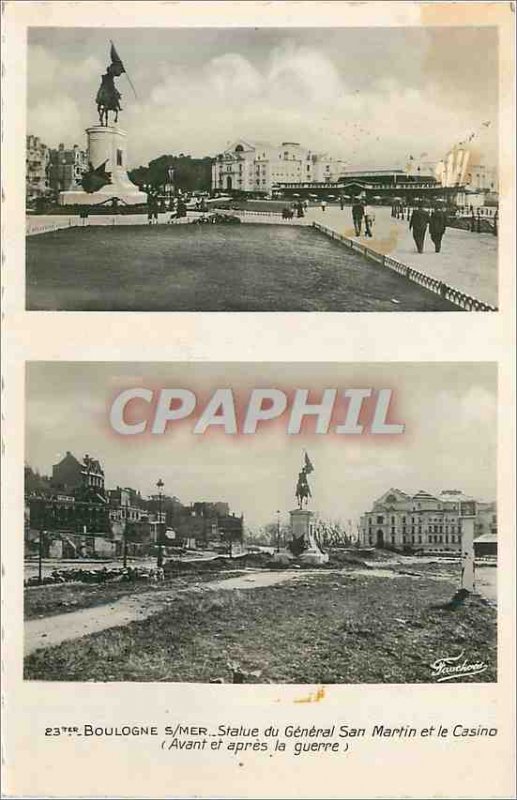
x,y
190,174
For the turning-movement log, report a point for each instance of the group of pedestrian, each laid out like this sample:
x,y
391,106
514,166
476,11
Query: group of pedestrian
x,y
421,220
362,213
298,208
152,209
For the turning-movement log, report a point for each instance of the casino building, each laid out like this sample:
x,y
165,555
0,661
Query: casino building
x,y
256,167
423,521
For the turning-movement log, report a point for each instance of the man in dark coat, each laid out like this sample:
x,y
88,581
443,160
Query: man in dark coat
x,y
357,216
437,225
418,224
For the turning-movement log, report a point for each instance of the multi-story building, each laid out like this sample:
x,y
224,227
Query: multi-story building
x,y
71,475
486,519
205,523
127,505
66,168
65,513
422,521
257,167
130,516
37,156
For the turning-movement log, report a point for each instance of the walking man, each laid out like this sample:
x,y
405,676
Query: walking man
x,y
368,221
437,225
418,224
357,216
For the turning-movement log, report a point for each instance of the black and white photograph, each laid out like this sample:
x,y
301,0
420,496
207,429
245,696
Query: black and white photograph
x,y
262,169
261,523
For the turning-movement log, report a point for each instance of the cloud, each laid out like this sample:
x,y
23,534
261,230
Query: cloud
x,y
56,123
295,92
57,111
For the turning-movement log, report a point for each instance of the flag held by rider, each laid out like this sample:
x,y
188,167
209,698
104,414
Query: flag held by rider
x,y
309,467
116,61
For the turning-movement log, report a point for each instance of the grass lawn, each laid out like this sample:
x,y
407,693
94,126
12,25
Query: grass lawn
x,y
210,268
60,598
325,628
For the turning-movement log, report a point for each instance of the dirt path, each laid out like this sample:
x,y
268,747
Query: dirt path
x,y
51,631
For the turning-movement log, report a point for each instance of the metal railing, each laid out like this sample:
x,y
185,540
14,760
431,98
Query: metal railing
x,y
450,293
247,211
53,226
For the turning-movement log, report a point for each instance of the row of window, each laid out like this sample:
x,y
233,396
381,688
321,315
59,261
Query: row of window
x,y
418,529
435,539
414,520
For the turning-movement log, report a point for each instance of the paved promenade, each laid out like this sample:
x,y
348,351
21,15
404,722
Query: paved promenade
x,y
467,261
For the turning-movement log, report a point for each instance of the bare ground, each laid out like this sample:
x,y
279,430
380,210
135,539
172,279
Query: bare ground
x,y
320,628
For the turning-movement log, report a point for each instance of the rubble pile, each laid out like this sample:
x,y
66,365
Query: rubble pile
x,y
80,575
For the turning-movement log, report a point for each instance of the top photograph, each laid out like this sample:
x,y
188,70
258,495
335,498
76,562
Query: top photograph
x,y
262,169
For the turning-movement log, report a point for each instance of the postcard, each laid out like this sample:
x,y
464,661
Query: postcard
x,y
258,534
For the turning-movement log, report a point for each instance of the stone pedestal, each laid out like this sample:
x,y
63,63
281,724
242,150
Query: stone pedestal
x,y
107,144
467,553
302,527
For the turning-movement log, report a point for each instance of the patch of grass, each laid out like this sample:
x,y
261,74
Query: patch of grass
x,y
62,598
210,268
325,628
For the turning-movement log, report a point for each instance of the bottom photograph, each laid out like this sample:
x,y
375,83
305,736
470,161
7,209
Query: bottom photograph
x,y
237,523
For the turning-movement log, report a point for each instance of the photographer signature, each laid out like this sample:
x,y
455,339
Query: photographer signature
x,y
450,667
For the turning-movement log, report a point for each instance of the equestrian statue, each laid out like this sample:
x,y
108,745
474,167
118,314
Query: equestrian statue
x,y
303,490
108,96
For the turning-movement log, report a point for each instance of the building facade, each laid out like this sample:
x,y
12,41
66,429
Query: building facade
x,y
66,167
37,158
373,185
422,521
254,167
79,517
71,475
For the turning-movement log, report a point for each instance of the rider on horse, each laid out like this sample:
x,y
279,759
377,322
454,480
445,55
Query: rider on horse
x,y
303,491
108,96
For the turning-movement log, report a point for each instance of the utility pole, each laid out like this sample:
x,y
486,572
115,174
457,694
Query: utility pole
x,y
467,553
40,557
159,560
278,531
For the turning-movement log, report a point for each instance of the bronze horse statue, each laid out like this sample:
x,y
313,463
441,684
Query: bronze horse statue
x,y
303,490
108,96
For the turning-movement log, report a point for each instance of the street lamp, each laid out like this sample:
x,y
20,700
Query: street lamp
x,y
124,556
159,560
278,531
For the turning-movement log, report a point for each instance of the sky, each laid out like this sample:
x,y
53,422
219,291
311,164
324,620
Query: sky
x,y
449,412
371,96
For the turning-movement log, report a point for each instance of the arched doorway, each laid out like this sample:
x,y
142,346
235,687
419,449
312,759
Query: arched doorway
x,y
229,183
380,539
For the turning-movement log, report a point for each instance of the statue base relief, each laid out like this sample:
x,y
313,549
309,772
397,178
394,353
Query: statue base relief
x,y
313,557
302,527
282,557
107,144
